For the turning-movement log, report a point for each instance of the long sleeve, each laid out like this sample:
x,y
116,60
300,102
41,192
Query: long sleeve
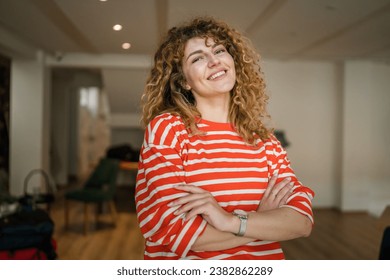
x,y
300,199
160,169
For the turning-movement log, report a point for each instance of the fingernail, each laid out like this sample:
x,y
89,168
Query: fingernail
x,y
170,204
176,212
288,179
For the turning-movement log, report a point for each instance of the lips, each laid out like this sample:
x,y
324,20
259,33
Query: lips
x,y
216,75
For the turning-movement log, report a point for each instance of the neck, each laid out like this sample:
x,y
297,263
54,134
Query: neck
x,y
214,110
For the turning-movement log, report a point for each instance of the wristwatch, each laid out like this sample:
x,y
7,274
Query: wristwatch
x,y
243,216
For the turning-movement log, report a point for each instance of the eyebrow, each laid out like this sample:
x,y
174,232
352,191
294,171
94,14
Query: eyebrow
x,y
200,51
193,53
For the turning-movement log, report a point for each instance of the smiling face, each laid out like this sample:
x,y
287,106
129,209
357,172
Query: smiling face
x,y
208,69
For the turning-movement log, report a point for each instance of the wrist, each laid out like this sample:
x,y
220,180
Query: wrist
x,y
232,224
235,224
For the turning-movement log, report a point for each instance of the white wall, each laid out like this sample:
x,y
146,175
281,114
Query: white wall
x,y
366,141
336,117
380,195
304,102
29,133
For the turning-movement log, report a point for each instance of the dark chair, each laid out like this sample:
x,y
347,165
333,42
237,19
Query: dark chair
x,y
384,253
100,187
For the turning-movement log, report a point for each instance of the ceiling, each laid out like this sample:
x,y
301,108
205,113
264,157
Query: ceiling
x,y
280,29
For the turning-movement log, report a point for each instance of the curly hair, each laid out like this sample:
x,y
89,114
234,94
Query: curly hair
x,y
165,90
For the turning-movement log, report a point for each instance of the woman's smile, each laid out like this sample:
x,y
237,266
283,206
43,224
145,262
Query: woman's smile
x,y
217,75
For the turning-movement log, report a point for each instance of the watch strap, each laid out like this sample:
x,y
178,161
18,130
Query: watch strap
x,y
243,222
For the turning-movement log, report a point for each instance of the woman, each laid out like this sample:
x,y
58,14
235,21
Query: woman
x,y
213,181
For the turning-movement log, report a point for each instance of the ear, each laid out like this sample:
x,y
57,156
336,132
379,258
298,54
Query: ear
x,y
187,87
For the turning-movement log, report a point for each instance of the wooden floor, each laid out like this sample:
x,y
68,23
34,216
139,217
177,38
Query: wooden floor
x,y
103,241
338,236
335,236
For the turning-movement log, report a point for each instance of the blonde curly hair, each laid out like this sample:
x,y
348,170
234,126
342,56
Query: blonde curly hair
x,y
165,87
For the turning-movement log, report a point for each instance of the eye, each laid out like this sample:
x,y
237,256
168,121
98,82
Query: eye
x,y
197,58
220,50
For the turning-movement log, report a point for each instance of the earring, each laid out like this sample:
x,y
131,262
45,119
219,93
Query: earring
x,y
187,87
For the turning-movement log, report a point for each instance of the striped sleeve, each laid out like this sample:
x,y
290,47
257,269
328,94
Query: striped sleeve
x,y
300,199
160,169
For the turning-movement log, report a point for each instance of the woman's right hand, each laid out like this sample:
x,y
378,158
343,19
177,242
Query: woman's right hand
x,y
276,194
202,202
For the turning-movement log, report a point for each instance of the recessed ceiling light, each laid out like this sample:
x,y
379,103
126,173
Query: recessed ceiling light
x,y
103,0
117,27
126,46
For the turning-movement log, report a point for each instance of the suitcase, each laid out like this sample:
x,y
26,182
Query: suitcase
x,y
27,253
27,234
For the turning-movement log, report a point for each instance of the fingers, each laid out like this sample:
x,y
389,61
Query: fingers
x,y
192,211
185,199
189,188
283,194
195,197
280,189
287,194
276,194
194,193
271,184
197,202
189,202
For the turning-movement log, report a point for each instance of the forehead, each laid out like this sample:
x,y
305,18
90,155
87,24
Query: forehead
x,y
197,43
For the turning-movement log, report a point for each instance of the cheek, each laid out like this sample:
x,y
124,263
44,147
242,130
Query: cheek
x,y
233,68
192,75
233,64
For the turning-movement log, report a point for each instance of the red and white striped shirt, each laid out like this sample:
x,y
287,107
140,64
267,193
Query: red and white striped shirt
x,y
220,162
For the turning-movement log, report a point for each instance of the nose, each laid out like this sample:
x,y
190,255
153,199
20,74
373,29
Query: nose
x,y
213,60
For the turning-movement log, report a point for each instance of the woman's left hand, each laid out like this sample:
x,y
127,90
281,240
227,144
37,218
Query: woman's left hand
x,y
201,202
276,194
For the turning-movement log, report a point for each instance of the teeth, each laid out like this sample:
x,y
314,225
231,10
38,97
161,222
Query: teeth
x,y
216,75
